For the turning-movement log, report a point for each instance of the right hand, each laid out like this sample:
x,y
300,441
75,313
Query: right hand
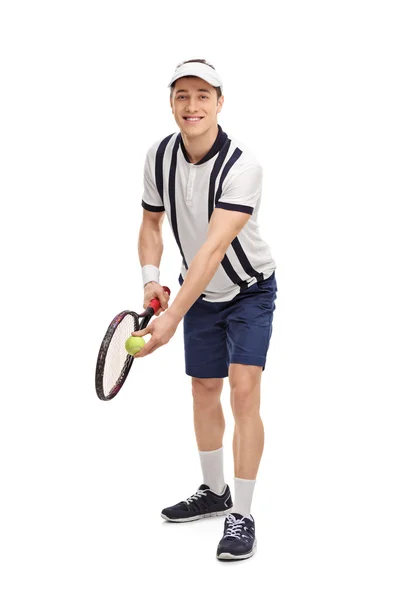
x,y
155,290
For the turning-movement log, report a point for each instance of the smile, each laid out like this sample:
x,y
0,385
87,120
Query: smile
x,y
193,119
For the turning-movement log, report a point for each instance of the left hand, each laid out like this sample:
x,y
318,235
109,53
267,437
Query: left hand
x,y
161,331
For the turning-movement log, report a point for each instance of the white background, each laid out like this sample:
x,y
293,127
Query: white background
x,y
313,89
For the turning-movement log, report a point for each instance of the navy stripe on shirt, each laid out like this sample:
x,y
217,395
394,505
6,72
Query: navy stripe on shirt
x,y
152,208
236,245
159,166
172,199
235,156
238,207
214,174
226,264
244,261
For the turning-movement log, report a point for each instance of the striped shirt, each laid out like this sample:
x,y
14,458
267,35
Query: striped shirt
x,y
228,177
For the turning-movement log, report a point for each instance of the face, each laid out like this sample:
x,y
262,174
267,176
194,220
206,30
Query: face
x,y
195,105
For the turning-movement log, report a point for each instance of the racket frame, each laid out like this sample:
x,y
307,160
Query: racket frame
x,y
105,344
145,317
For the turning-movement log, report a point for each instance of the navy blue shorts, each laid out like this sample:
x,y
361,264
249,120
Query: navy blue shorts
x,y
217,334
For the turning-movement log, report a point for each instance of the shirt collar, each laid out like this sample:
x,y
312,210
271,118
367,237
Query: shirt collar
x,y
215,148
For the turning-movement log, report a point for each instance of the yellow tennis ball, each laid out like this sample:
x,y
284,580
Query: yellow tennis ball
x,y
133,344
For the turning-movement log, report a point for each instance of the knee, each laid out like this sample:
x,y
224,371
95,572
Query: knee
x,y
206,392
245,399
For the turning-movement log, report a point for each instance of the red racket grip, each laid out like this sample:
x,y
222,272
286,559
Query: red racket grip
x,y
155,303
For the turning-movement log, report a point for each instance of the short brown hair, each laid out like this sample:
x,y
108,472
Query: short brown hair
x,y
198,60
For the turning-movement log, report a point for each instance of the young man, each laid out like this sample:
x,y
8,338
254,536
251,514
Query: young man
x,y
210,188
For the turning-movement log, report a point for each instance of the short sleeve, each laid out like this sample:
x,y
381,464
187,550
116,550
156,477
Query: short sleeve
x,y
243,192
151,199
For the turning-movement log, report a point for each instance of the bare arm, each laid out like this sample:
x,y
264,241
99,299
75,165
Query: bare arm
x,y
237,204
150,249
150,243
223,228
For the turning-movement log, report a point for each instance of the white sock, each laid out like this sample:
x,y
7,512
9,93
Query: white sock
x,y
212,465
244,489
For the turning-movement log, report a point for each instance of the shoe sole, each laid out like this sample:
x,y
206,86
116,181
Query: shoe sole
x,y
197,517
231,557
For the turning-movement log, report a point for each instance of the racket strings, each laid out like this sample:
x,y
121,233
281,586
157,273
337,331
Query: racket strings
x,y
117,358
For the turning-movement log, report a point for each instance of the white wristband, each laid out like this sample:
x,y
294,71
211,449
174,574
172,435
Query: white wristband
x,y
150,273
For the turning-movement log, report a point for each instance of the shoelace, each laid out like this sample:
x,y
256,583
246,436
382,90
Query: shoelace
x,y
234,528
196,496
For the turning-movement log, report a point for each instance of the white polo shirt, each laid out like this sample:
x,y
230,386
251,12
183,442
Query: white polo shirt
x,y
228,177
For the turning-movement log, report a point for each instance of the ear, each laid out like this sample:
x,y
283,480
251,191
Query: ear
x,y
172,106
220,103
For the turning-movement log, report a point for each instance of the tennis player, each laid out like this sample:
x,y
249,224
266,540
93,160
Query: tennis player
x,y
209,185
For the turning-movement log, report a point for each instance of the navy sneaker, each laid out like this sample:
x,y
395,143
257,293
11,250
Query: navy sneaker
x,y
239,539
204,503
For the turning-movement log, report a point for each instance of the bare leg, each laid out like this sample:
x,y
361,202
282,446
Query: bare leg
x,y
209,422
248,440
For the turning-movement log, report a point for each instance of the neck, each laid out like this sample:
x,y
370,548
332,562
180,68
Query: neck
x,y
198,146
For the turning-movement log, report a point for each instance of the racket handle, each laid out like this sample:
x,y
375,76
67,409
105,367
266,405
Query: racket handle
x,y
155,303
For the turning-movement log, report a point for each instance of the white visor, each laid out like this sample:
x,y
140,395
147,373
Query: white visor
x,y
197,70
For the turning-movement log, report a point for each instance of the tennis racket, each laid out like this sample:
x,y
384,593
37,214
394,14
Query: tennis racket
x,y
113,361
